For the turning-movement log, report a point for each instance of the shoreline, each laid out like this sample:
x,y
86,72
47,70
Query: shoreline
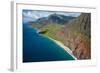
x,y
63,46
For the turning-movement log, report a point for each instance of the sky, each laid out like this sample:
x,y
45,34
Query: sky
x,y
32,15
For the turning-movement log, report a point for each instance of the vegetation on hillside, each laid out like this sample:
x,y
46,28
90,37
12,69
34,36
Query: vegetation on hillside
x,y
76,34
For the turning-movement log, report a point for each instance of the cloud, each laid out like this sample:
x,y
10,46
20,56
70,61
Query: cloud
x,y
29,14
73,14
32,15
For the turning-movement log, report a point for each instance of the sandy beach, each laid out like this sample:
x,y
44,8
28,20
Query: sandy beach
x,y
63,46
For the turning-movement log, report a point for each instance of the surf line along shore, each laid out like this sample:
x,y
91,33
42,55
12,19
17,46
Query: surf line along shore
x,y
61,45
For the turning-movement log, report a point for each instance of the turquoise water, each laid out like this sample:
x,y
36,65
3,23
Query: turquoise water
x,y
37,48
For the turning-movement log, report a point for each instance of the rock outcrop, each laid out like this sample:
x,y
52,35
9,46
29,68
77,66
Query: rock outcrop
x,y
77,36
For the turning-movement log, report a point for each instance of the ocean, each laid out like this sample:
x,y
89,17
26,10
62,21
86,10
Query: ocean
x,y
37,48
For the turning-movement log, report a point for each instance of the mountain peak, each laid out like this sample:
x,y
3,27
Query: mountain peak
x,y
54,18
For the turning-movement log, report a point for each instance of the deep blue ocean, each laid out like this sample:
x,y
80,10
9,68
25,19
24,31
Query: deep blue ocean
x,y
37,48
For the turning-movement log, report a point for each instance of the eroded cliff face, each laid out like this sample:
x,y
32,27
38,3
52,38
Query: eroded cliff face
x,y
84,23
77,36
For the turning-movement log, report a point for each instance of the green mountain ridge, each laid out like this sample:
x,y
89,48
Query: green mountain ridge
x,y
75,34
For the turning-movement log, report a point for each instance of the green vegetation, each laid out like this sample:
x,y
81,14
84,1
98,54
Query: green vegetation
x,y
75,35
52,30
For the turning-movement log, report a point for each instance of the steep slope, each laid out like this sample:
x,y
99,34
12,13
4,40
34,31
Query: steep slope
x,y
53,19
77,36
59,19
81,24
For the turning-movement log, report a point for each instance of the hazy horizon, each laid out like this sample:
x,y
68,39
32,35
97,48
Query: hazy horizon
x,y
32,15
